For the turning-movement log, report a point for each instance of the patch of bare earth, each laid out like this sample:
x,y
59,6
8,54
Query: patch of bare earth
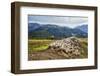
x,y
45,55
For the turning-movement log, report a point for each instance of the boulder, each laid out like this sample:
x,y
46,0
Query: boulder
x,y
68,47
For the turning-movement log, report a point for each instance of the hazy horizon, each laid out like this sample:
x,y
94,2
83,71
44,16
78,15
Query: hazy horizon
x,y
68,21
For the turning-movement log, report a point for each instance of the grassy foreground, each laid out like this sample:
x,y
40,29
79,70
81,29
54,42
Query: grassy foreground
x,y
38,45
41,45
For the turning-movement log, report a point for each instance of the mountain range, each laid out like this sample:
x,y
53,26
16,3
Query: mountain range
x,y
36,30
83,28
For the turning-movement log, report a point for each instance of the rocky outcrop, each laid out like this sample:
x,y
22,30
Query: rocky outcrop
x,y
68,47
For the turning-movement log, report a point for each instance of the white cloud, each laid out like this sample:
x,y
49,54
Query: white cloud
x,y
69,21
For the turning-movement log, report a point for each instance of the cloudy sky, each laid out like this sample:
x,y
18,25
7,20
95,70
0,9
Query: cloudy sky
x,y
69,21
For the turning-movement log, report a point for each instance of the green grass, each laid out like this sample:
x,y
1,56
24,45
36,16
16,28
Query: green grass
x,y
38,45
40,48
84,44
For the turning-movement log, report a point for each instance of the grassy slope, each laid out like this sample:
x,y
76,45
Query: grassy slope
x,y
38,45
84,44
35,45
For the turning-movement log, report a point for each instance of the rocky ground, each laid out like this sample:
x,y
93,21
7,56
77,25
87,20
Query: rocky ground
x,y
68,48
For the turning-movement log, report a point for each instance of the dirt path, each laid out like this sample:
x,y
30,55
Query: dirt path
x,y
46,55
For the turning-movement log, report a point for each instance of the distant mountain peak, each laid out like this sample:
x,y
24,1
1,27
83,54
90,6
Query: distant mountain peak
x,y
83,28
49,30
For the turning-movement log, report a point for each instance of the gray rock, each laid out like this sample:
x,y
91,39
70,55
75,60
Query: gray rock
x,y
68,47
